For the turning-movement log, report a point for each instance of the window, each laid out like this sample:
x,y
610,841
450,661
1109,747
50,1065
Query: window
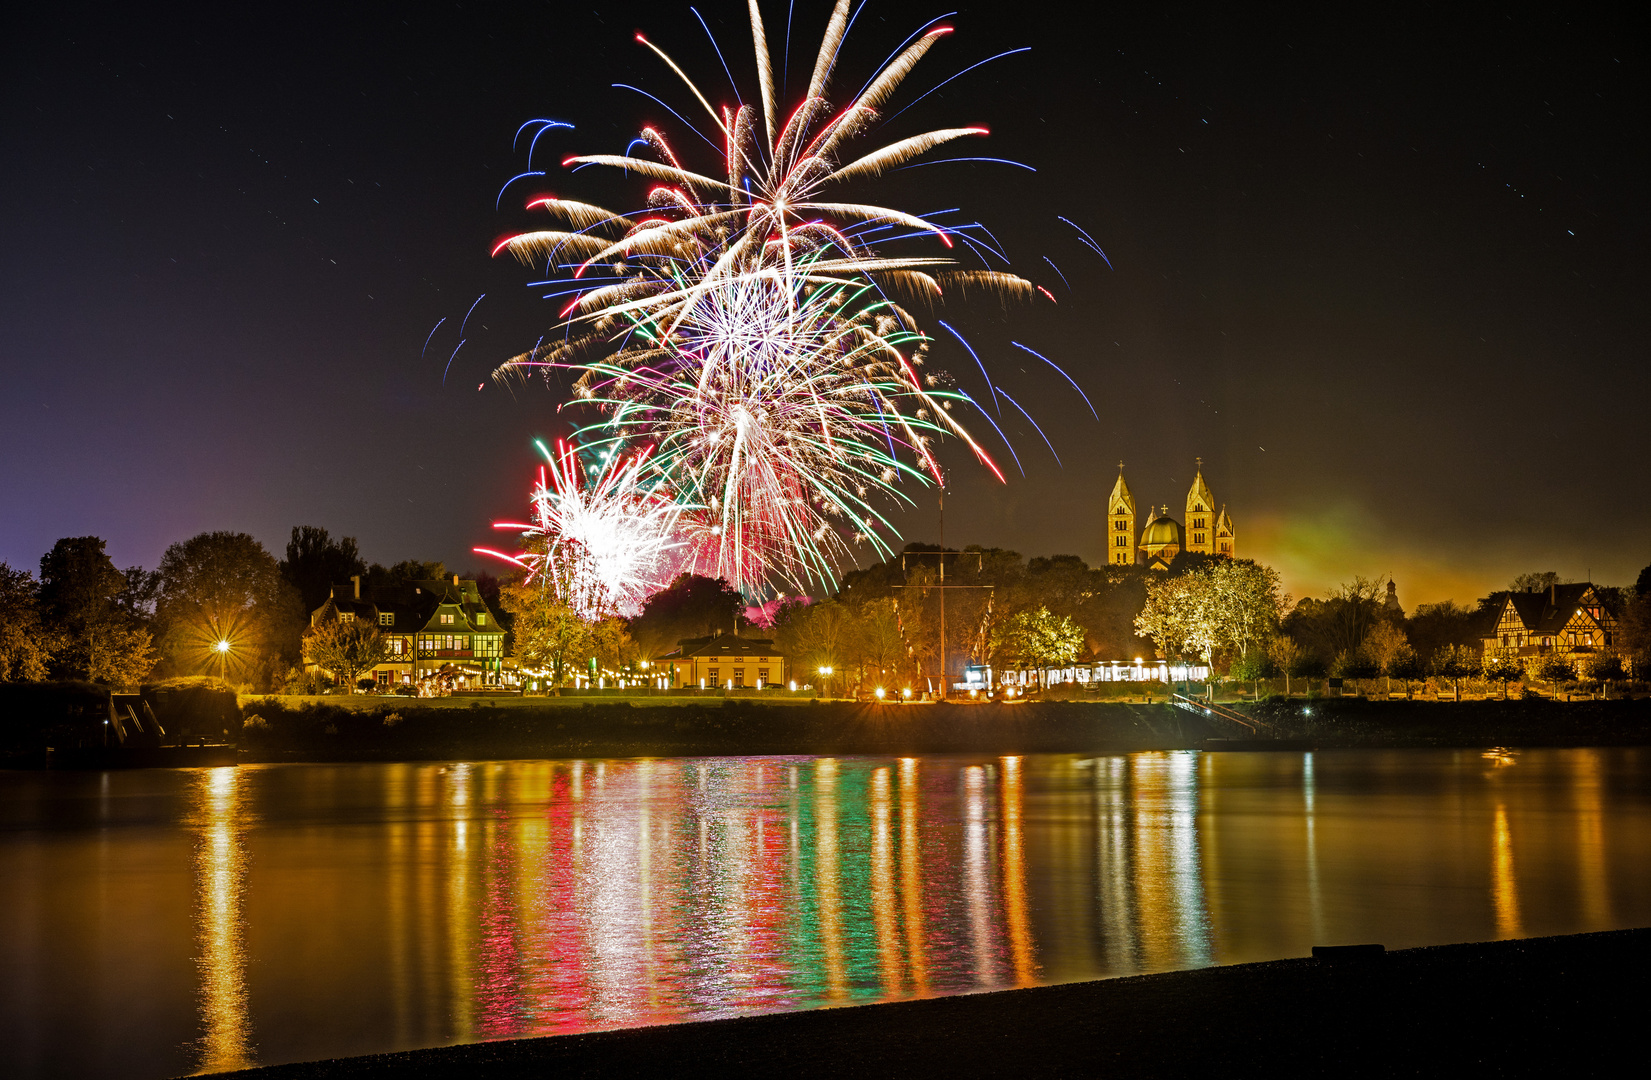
x,y
386,618
712,675
481,618
346,616
1198,538
447,620
1571,637
394,646
383,678
739,676
762,675
1588,638
1121,541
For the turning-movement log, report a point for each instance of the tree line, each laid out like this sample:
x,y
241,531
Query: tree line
x,y
219,604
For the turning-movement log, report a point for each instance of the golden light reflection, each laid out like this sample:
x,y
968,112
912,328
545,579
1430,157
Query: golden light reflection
x,y
220,872
911,870
1505,886
1014,875
977,887
827,886
1588,781
883,917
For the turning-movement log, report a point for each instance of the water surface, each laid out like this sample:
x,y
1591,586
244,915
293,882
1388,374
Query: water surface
x,y
164,922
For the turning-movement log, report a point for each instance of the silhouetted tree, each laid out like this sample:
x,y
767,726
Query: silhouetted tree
x,y
316,564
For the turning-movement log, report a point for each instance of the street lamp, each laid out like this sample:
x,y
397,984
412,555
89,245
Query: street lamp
x,y
222,648
825,677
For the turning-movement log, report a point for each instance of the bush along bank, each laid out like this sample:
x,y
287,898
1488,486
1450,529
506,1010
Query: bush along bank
x,y
406,731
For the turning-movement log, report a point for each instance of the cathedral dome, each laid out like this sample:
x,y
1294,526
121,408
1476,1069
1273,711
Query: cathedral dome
x,y
1162,530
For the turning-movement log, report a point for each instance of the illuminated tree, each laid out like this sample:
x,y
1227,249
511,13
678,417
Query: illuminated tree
x,y
26,642
81,596
549,634
1456,663
1287,657
1243,603
1504,669
224,587
1382,646
345,647
1040,639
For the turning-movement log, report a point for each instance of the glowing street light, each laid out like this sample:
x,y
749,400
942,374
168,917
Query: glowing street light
x,y
879,692
825,676
222,648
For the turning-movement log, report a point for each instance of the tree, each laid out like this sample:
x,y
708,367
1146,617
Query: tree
x,y
1407,667
549,634
1250,668
345,647
1287,657
1381,646
1534,582
224,587
1553,670
80,596
1456,663
1340,622
1504,669
1244,603
691,606
1041,639
812,635
26,642
1172,616
316,564
1604,668
611,644
1439,626
876,641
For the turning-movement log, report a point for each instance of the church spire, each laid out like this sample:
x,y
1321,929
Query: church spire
x,y
1120,524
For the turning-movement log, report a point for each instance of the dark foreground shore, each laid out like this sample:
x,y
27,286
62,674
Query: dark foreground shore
x,y
1570,1006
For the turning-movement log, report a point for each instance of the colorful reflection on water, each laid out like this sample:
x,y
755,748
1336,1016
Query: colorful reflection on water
x,y
165,922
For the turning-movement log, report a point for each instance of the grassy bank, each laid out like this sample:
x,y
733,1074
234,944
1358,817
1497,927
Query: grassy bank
x,y
1563,1006
277,729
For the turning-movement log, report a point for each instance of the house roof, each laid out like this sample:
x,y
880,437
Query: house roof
x,y
415,607
1548,612
724,646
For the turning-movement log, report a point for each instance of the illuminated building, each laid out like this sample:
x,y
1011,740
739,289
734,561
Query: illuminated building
x,y
1568,621
1207,531
429,628
726,661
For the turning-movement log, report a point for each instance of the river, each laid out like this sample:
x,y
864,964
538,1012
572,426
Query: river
x,y
163,922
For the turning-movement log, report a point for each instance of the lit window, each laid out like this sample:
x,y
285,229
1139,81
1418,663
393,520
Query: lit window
x,y
481,618
386,618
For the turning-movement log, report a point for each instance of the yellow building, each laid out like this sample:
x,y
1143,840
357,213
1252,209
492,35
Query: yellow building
x,y
1207,531
725,661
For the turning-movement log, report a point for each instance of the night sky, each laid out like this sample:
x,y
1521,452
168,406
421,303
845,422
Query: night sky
x,y
1385,274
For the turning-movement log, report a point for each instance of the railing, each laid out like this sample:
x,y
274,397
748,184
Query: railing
x,y
1210,708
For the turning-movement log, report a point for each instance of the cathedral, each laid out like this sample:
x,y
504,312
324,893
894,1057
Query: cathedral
x,y
1206,532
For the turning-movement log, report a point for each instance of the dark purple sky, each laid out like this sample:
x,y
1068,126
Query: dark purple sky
x,y
1386,274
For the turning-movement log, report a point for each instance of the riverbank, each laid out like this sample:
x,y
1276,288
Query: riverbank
x,y
403,731
1568,1005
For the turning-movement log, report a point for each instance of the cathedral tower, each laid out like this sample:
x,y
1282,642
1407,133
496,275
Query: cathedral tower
x,y
1199,534
1226,543
1120,524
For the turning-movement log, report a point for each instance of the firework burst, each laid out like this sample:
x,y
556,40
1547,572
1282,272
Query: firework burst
x,y
601,544
745,328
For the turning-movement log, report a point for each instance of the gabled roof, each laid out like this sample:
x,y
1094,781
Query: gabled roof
x,y
1223,523
1121,496
1549,612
